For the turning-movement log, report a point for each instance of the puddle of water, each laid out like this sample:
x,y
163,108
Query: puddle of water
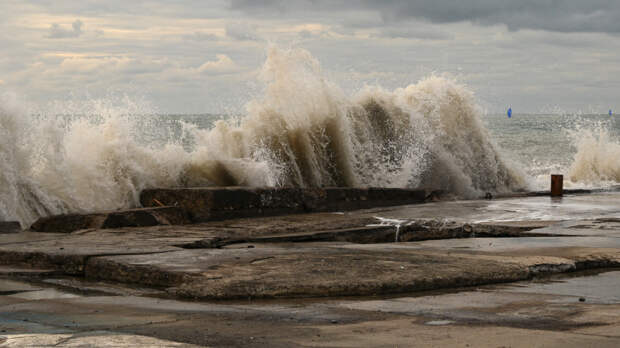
x,y
509,244
11,286
439,322
600,288
45,294
570,207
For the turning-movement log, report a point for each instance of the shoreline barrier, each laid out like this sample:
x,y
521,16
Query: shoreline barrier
x,y
180,206
220,203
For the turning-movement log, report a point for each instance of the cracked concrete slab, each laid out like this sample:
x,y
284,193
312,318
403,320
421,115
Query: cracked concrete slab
x,y
524,314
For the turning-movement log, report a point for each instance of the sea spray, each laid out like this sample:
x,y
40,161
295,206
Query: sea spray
x,y
304,131
597,161
52,166
22,198
310,134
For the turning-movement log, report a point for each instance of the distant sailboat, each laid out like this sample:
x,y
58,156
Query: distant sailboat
x,y
610,113
509,113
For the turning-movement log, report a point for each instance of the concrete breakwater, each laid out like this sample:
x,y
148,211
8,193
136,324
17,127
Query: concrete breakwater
x,y
204,204
194,205
179,206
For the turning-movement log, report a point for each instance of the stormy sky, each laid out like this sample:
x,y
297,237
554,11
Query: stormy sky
x,y
191,56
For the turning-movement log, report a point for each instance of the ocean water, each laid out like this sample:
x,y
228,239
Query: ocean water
x,y
304,131
583,147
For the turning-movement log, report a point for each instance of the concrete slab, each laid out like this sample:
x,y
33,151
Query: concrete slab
x,y
68,252
282,256
491,316
319,269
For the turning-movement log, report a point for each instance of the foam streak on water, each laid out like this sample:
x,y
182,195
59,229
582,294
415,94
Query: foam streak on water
x,y
304,132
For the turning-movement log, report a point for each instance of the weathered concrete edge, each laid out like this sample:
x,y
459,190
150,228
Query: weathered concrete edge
x,y
68,263
420,231
140,217
178,284
220,203
507,274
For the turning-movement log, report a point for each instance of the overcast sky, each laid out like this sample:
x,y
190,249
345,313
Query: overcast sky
x,y
191,56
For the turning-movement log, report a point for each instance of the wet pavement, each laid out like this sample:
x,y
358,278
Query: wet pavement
x,y
600,288
561,261
576,311
542,208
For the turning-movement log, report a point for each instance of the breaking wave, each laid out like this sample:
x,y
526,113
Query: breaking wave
x,y
597,161
304,131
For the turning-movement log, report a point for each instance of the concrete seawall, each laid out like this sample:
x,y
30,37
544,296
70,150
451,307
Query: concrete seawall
x,y
205,204
195,205
178,206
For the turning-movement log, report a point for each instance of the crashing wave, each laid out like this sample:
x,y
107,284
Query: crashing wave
x,y
303,132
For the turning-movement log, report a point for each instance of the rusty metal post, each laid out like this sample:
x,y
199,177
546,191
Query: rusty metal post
x,y
557,182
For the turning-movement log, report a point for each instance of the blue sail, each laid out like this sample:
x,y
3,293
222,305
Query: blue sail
x,y
610,112
509,113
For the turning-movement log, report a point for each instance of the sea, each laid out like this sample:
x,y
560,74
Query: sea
x,y
302,130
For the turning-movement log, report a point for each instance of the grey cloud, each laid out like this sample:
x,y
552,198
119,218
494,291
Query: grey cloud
x,y
241,31
565,68
306,34
201,36
415,32
58,32
314,34
551,15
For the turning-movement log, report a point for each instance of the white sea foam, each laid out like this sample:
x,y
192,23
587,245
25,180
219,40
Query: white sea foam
x,y
597,161
304,131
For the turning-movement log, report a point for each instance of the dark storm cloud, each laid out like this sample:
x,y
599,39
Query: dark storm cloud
x,y
551,15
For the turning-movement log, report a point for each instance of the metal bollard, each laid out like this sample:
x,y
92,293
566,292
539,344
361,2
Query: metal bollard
x,y
557,182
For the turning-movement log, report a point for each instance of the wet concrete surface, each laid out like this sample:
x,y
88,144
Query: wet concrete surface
x,y
513,244
592,287
570,207
543,312
121,285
